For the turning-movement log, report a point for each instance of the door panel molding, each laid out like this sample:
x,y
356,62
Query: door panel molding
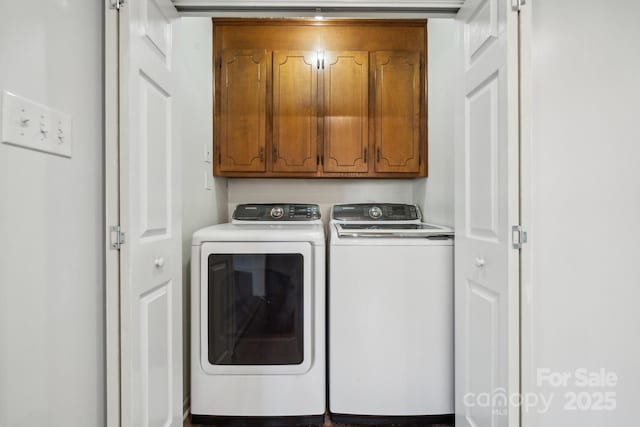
x,y
346,111
295,111
482,214
244,74
397,96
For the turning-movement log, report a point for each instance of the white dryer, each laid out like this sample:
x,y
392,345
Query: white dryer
x,y
258,317
390,316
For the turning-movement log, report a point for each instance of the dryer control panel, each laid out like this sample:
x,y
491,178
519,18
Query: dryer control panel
x,y
276,212
376,212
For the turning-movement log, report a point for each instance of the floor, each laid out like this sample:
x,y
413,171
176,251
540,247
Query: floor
x,y
327,423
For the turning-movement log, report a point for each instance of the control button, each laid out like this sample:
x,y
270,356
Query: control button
x,y
277,212
375,212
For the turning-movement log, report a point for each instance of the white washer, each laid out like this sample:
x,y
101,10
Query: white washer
x,y
258,317
390,316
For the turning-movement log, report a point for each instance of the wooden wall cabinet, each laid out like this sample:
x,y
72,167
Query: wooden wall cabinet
x,y
346,111
285,108
397,111
295,112
243,111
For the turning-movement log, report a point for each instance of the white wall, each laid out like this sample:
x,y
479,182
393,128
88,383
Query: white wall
x,y
51,222
324,192
200,207
582,205
435,193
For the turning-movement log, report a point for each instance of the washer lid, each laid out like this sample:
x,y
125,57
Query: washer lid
x,y
387,230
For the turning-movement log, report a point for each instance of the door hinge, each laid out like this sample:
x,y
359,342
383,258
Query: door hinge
x,y
117,4
516,5
518,237
118,237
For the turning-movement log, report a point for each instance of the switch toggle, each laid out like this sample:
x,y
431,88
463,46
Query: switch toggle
x,y
24,121
44,131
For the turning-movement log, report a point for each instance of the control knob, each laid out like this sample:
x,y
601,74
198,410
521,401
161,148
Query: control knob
x,y
277,212
375,212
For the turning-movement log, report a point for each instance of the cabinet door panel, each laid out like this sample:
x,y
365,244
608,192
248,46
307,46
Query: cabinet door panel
x,y
243,110
397,111
295,111
346,111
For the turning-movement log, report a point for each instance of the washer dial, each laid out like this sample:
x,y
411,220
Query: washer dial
x,y
375,212
277,212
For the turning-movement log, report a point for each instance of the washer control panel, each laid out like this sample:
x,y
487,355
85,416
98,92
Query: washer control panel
x,y
375,212
276,212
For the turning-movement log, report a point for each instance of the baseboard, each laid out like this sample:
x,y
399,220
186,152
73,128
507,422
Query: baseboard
x,y
445,419
186,407
251,421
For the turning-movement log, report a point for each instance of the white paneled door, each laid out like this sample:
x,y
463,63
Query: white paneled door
x,y
487,199
151,303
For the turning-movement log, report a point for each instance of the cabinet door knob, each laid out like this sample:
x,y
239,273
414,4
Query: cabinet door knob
x,y
480,262
378,155
159,262
365,155
261,154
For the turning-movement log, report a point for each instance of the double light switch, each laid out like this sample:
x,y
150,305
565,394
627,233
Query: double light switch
x,y
31,125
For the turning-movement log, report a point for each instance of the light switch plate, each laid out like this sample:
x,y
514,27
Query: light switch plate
x,y
27,124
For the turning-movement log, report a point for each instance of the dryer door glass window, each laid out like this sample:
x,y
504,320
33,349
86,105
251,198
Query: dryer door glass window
x,y
255,309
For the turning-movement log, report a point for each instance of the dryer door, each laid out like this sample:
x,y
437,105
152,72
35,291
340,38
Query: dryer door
x,y
256,307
